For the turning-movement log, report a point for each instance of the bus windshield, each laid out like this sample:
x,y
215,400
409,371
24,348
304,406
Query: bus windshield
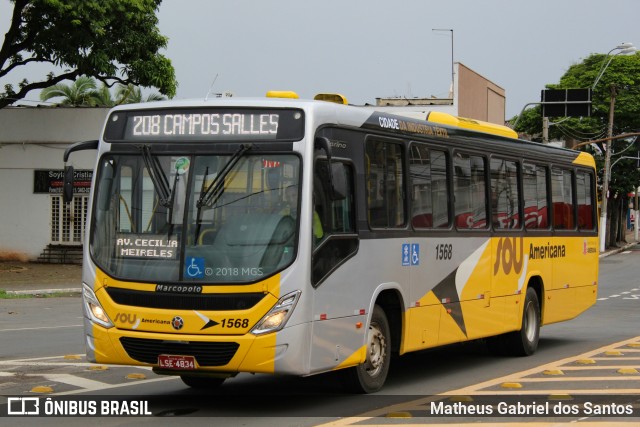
x,y
208,219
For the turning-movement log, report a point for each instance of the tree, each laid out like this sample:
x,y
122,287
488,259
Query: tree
x,y
115,41
624,73
102,97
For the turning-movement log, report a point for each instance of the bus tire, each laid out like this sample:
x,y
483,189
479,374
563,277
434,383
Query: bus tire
x,y
370,376
202,383
525,341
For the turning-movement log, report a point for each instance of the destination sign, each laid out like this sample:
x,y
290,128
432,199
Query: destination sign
x,y
205,125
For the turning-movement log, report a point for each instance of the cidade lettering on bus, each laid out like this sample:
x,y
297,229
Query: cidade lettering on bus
x,y
389,123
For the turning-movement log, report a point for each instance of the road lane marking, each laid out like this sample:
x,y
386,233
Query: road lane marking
x,y
73,380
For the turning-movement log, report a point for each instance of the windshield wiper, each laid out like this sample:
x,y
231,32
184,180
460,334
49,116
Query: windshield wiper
x,y
210,195
160,182
213,191
158,177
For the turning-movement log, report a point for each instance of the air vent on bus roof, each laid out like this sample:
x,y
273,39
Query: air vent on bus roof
x,y
282,94
331,97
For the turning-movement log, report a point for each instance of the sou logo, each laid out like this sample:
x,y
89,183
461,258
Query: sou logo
x,y
509,255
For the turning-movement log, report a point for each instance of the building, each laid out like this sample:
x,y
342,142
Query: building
x,y
33,216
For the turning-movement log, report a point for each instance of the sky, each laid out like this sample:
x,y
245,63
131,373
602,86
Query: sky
x,y
367,49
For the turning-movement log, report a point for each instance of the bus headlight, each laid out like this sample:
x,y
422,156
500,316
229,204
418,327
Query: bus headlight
x,y
277,317
93,308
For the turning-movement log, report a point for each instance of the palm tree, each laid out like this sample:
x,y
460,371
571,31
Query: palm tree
x,y
131,94
102,97
75,94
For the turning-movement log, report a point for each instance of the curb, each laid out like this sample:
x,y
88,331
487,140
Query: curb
x,y
618,250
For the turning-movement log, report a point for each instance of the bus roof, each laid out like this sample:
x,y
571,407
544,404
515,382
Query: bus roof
x,y
432,124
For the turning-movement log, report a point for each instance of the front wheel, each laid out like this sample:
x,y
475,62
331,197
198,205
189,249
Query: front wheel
x,y
370,376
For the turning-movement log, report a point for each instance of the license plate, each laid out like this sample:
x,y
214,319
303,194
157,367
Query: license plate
x,y
169,361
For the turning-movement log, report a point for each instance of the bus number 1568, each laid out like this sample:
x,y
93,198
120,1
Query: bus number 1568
x,y
444,251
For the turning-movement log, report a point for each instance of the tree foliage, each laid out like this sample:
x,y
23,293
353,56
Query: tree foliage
x,y
114,41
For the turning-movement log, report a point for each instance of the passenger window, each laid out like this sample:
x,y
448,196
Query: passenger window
x,y
505,206
534,183
586,207
385,184
469,191
562,198
428,170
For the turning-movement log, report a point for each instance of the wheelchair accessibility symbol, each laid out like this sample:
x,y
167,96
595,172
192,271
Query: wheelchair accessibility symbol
x,y
415,254
194,268
410,254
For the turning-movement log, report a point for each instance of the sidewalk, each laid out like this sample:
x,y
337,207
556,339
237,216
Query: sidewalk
x,y
629,237
38,279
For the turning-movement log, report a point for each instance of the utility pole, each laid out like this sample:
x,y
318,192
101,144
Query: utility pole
x,y
607,171
545,130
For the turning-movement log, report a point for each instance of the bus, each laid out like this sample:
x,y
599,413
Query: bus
x,y
298,237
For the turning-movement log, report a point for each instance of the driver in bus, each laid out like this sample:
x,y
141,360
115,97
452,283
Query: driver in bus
x,y
291,199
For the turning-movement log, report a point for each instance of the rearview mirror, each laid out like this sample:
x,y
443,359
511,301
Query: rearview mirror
x,y
67,185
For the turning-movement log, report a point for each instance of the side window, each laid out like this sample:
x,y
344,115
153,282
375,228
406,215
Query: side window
x,y
586,207
469,191
534,183
562,198
428,170
333,224
334,216
505,207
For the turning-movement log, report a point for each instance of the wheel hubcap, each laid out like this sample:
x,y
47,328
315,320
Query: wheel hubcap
x,y
530,320
376,350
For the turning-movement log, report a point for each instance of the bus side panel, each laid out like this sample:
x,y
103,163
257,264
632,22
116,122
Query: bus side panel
x,y
344,300
338,343
510,271
484,314
575,269
422,325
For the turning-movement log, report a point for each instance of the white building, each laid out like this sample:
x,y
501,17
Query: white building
x,y
32,142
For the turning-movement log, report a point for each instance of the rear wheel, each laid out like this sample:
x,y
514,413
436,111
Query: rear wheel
x,y
202,383
370,376
525,341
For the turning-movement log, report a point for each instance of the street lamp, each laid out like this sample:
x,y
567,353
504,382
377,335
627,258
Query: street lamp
x,y
624,48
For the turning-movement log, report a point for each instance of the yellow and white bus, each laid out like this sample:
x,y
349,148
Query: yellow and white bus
x,y
289,236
